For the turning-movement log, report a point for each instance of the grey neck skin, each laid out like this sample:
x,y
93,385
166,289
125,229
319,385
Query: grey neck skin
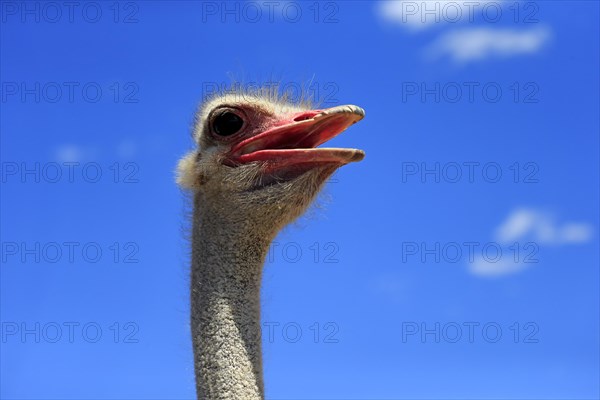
x,y
227,263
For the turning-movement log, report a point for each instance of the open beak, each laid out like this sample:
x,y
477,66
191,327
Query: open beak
x,y
294,142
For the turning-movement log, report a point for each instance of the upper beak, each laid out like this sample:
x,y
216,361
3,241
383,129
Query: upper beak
x,y
295,141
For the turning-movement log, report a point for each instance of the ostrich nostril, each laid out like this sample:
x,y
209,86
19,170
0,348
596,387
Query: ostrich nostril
x,y
307,115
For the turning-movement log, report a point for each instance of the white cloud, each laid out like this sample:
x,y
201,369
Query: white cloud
x,y
525,225
542,228
475,44
504,266
69,153
517,224
576,233
420,15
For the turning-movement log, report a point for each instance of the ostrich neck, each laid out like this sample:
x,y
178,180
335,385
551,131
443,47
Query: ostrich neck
x,y
227,263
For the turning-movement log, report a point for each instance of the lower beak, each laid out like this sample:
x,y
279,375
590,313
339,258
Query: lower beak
x,y
295,141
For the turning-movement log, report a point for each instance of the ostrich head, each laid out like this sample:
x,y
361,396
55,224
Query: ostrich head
x,y
257,160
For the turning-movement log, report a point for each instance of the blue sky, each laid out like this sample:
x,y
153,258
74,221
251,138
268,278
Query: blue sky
x,y
458,260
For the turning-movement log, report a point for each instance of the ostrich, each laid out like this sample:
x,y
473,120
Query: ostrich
x,y
256,168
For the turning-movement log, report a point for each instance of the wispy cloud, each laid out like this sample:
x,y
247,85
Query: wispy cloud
x,y
127,149
475,44
528,229
69,153
505,266
420,15
542,228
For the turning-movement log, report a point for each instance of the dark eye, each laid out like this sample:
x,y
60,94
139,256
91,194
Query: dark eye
x,y
227,124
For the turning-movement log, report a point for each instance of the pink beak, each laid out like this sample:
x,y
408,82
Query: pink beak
x,y
295,141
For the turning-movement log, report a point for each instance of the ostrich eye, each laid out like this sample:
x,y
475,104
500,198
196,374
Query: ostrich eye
x,y
227,124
